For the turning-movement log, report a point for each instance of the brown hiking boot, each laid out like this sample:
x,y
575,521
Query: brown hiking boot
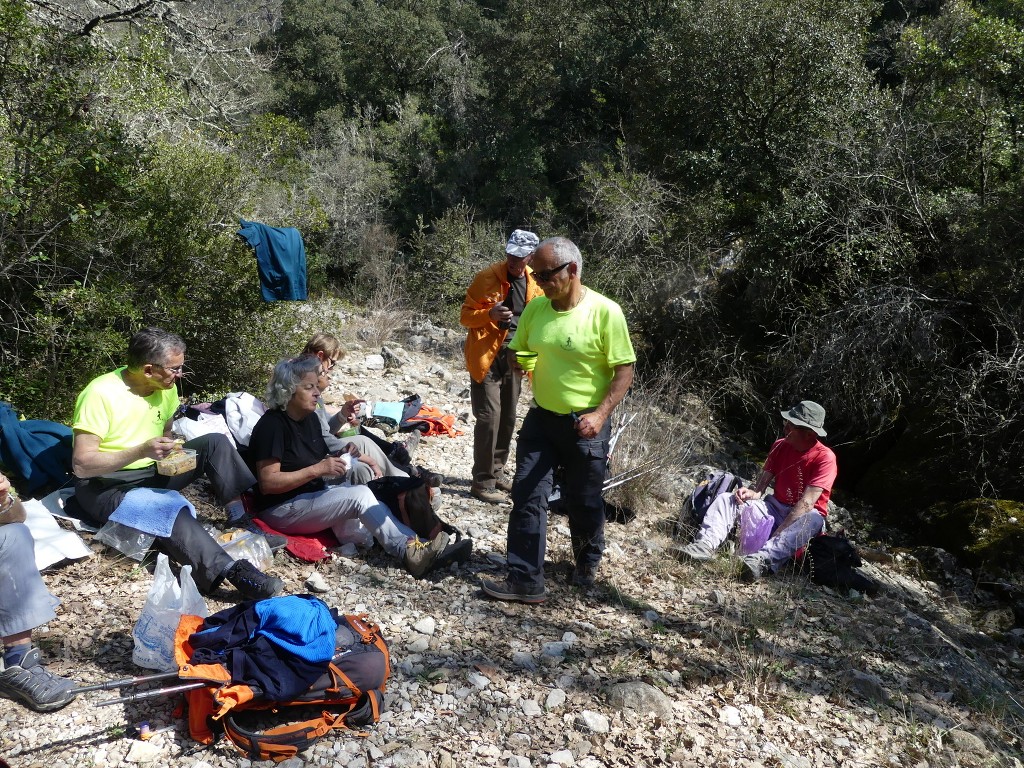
x,y
490,495
420,555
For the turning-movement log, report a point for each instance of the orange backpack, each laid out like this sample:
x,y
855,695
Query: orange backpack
x,y
350,694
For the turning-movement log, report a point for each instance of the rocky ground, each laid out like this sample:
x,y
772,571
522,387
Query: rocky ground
x,y
662,663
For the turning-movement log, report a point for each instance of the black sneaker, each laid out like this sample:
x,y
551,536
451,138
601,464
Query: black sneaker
x,y
584,576
35,685
274,541
512,592
433,479
456,552
251,582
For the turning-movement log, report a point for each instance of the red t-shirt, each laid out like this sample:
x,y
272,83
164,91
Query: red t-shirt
x,y
794,471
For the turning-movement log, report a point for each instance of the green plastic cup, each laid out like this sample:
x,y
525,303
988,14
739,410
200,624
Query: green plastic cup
x,y
526,360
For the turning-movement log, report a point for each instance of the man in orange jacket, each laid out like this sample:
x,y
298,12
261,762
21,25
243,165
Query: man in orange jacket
x,y
494,302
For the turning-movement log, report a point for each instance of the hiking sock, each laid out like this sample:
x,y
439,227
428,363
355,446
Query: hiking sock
x,y
15,654
235,510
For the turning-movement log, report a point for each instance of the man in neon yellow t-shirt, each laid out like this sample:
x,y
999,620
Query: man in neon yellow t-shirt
x,y
122,426
584,368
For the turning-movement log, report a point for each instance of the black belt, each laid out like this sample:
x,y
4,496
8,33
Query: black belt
x,y
574,415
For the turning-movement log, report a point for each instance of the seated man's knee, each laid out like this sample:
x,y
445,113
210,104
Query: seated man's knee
x,y
15,537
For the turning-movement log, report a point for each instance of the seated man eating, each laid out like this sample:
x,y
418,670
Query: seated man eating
x,y
122,427
292,465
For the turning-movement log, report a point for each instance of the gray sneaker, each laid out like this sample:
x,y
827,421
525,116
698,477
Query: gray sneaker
x,y
751,567
510,591
696,550
420,556
35,685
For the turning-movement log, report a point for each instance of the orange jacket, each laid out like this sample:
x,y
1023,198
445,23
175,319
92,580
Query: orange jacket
x,y
489,287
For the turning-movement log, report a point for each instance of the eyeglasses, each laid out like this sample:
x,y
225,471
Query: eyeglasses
x,y
545,275
177,370
329,363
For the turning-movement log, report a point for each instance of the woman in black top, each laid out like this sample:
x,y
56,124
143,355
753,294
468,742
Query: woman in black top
x,y
291,460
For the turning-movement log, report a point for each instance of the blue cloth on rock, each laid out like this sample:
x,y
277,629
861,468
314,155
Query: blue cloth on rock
x,y
151,510
280,258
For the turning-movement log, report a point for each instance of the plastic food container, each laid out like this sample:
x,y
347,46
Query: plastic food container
x,y
181,461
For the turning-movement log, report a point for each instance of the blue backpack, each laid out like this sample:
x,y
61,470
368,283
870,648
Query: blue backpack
x,y
708,490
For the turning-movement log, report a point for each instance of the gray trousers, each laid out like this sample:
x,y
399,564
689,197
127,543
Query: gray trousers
x,y
494,402
25,602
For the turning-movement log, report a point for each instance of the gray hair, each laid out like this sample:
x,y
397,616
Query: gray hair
x,y
153,345
565,250
286,378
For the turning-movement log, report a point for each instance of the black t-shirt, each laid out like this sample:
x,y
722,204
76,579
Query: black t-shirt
x,y
296,444
515,300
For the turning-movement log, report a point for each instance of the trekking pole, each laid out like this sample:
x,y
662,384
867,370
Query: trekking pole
x,y
639,469
627,477
152,693
624,422
126,682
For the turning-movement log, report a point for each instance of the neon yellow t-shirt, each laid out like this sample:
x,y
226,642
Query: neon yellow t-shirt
x,y
121,419
577,350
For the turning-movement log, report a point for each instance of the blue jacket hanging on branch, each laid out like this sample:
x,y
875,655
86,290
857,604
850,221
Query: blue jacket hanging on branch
x,y
281,259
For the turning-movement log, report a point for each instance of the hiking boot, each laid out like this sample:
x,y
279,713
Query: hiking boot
x,y
490,495
421,556
508,590
251,582
35,685
432,479
584,576
456,552
274,541
503,485
696,550
751,567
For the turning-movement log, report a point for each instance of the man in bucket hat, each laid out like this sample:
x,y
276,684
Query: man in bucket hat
x,y
801,471
494,302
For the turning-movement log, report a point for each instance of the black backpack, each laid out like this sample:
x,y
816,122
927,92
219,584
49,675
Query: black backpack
x,y
709,489
832,561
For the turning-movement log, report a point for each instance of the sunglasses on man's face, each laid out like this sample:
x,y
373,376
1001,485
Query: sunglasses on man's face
x,y
176,370
545,275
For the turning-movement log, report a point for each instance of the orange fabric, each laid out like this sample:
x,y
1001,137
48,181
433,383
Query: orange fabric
x,y
438,422
485,338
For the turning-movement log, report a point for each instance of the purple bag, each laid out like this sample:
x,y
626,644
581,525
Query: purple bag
x,y
755,529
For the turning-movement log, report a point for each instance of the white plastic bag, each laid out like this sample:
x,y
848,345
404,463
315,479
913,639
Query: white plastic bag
x,y
126,540
166,603
755,529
